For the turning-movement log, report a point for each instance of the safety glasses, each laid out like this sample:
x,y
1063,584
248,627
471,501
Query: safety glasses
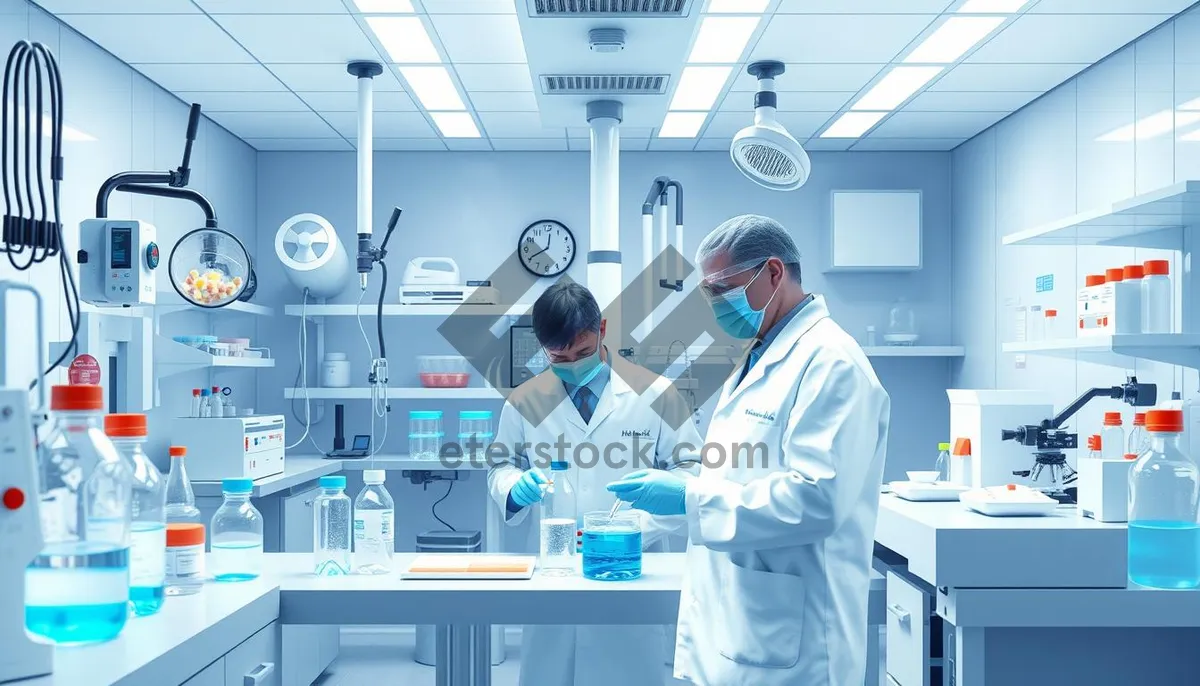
x,y
716,285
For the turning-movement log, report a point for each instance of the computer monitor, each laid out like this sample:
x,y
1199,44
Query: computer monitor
x,y
361,442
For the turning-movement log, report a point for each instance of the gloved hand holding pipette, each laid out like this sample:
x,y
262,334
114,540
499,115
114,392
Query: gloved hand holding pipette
x,y
656,491
529,489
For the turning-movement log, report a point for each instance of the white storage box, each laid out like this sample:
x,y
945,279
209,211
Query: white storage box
x,y
231,447
1104,488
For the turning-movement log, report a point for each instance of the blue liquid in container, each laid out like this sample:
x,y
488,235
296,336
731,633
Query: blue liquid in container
x,y
236,560
1164,554
612,554
146,600
77,593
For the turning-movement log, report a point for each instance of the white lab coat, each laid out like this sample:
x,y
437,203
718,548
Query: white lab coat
x,y
779,555
595,655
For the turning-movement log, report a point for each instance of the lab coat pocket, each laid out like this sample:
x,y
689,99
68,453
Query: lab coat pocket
x,y
765,624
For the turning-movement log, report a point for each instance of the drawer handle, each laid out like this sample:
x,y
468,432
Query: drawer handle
x,y
899,613
258,674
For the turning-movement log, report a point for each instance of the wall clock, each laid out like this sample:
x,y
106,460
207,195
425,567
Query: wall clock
x,y
546,248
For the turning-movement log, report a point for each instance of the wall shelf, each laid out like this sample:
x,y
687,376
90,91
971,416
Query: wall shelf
x,y
394,393
175,304
1117,351
1151,220
915,351
172,357
398,310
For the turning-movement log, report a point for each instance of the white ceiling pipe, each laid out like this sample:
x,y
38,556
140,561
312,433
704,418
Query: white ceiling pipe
x,y
365,72
604,256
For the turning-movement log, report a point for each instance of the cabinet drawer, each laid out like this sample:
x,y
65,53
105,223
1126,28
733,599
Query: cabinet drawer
x,y
907,632
256,661
212,675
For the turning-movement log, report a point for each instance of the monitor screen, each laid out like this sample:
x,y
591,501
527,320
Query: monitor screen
x,y
362,442
121,248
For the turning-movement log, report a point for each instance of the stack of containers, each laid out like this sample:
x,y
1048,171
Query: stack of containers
x,y
1127,300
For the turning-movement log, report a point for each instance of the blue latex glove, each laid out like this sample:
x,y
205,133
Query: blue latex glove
x,y
526,492
652,490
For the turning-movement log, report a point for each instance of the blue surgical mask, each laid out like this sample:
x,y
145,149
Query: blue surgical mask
x,y
581,371
734,313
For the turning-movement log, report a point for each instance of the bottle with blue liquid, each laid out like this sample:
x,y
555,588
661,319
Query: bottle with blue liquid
x,y
77,588
1164,509
331,528
236,534
148,541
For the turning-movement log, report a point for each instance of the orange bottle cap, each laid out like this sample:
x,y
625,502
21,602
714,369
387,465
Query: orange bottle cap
x,y
76,398
125,425
177,451
1134,271
1094,280
962,447
184,534
1111,275
1130,456
1139,419
1112,419
1011,487
1157,267
1164,421
1051,313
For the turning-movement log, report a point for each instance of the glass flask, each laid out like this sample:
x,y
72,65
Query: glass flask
x,y
1164,502
148,540
559,527
236,534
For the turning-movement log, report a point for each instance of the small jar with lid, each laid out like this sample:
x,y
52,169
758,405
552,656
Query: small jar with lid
x,y
1112,437
1050,329
1037,324
425,434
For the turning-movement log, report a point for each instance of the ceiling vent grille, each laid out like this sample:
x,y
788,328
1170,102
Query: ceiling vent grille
x,y
605,84
609,8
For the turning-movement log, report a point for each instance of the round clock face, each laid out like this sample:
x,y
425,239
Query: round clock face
x,y
546,248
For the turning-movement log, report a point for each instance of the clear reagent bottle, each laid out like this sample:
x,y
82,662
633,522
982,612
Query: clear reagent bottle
x,y
331,528
374,525
237,534
1139,440
1112,437
943,462
148,542
1164,507
559,525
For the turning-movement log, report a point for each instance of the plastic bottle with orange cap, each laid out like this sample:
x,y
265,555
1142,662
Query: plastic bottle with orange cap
x,y
185,533
1164,509
148,537
1112,437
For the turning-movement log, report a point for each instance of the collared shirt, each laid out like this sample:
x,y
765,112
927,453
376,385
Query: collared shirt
x,y
760,346
596,385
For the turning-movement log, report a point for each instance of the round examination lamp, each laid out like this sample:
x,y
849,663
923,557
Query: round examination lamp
x,y
764,151
210,268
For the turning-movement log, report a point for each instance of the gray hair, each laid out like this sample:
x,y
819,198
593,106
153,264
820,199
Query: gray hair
x,y
751,238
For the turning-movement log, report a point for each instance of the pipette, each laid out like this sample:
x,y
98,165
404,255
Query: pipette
x,y
616,506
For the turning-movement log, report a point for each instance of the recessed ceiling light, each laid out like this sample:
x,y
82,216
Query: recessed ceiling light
x,y
722,39
405,39
737,6
699,87
992,6
433,87
853,124
455,124
954,38
1152,126
682,124
384,6
896,87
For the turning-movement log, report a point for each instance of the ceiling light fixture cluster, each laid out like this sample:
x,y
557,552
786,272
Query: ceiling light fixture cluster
x,y
725,30
404,36
945,46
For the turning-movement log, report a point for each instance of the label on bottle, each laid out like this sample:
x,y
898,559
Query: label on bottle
x,y
185,560
372,527
52,513
146,550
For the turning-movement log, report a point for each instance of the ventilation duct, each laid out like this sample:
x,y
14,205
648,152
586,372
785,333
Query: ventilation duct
x,y
605,84
609,8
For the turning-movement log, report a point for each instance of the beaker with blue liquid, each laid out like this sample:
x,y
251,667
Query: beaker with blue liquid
x,y
612,546
77,588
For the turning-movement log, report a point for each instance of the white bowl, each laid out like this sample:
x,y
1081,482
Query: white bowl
x,y
923,477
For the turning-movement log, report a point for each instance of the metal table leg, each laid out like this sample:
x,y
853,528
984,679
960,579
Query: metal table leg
x,y
464,655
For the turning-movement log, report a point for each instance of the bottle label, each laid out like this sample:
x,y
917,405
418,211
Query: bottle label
x,y
146,552
373,527
185,560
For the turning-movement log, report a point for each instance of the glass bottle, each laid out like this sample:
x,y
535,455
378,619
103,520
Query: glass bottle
x,y
236,534
943,462
1164,534
181,501
902,324
1139,440
374,514
331,528
77,588
1112,437
148,540
185,531
205,403
559,527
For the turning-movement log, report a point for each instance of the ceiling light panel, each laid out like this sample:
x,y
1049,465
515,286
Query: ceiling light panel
x,y
897,86
722,39
384,6
992,6
699,87
433,87
455,124
853,124
953,39
405,39
737,6
682,124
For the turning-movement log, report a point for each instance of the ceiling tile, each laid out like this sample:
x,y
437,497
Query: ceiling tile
x,y
307,38
494,77
726,124
504,102
211,77
713,144
274,124
803,124
298,144
468,6
626,132
517,125
408,144
629,144
863,6
487,38
529,143
387,125
1110,6
160,38
818,101
272,6
815,77
1006,77
828,144
467,144
118,6
936,124
959,101
849,38
249,101
1046,38
327,77
672,144
875,143
347,101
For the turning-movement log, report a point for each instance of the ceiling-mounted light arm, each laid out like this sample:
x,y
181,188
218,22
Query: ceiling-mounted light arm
x,y
765,72
366,71
177,178
210,214
677,284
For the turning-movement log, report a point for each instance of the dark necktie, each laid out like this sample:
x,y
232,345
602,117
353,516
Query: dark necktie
x,y
750,360
585,403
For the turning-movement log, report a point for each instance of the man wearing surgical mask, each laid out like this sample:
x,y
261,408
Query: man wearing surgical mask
x,y
602,418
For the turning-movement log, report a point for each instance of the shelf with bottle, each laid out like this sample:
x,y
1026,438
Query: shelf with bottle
x,y
172,357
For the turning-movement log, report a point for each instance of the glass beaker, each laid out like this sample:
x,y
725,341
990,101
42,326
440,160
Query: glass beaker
x,y
902,324
612,546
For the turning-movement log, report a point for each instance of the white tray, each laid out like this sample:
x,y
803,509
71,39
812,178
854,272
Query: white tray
x,y
927,492
470,566
995,502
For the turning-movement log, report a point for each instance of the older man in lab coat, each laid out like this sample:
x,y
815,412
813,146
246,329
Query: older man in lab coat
x,y
779,554
605,418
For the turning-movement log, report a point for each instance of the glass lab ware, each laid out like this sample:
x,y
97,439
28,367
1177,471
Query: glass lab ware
x,y
872,339
474,433
195,403
374,519
1112,437
216,402
205,403
1037,324
943,462
77,588
1017,314
148,540
1093,443
237,534
612,546
331,528
425,434
902,324
1157,293
181,501
1138,440
1164,532
559,526
1050,328
444,371
185,558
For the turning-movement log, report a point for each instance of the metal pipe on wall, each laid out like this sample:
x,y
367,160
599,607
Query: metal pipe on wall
x,y
604,255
